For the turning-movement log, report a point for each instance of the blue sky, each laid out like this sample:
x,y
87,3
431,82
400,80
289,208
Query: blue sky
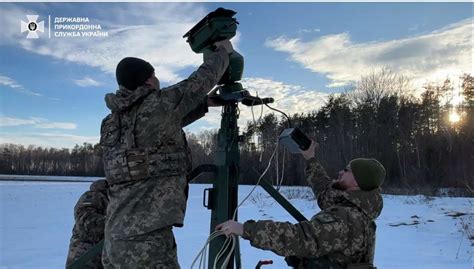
x,y
52,89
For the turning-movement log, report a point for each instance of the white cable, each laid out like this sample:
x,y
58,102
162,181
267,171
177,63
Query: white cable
x,y
283,167
277,167
259,120
203,250
230,251
225,246
258,181
255,127
231,240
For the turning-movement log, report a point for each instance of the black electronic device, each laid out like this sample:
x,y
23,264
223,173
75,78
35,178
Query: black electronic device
x,y
294,140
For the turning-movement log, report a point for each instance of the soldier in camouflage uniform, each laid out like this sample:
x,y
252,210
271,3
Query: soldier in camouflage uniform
x,y
341,235
89,216
147,160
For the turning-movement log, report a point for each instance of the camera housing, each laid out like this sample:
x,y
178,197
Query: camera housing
x,y
294,140
217,26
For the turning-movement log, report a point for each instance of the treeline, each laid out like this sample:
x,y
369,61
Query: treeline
x,y
82,160
420,141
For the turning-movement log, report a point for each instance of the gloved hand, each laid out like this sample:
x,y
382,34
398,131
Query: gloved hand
x,y
226,45
292,261
296,262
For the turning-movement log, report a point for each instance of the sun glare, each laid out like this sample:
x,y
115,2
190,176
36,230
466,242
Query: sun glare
x,y
454,117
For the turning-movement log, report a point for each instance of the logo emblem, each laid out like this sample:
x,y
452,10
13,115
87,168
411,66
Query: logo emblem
x,y
32,26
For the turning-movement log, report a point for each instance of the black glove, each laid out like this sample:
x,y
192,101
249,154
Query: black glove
x,y
295,262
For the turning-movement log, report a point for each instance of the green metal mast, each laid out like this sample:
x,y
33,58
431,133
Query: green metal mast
x,y
222,197
225,185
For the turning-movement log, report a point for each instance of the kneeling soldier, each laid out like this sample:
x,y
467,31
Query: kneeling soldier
x,y
89,216
342,235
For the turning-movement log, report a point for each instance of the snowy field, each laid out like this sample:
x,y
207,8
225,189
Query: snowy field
x,y
36,219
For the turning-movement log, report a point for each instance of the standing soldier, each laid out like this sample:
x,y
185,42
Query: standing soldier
x,y
342,235
147,161
89,217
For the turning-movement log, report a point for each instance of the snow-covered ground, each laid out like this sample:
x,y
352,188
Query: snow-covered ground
x,y
36,220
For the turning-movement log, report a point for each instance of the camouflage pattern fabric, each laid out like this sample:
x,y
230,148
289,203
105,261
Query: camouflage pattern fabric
x,y
145,153
156,249
89,216
342,233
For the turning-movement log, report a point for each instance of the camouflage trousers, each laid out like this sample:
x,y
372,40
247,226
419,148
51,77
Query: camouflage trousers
x,y
77,249
155,249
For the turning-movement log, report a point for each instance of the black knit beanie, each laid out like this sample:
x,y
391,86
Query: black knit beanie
x,y
133,72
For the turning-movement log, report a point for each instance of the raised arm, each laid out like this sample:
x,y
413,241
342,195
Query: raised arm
x,y
198,112
315,173
185,96
317,177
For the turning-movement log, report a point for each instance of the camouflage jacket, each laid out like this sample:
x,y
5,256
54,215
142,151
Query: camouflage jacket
x,y
145,154
89,216
342,233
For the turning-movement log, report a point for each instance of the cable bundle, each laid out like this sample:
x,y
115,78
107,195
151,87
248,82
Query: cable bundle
x,y
202,254
230,242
